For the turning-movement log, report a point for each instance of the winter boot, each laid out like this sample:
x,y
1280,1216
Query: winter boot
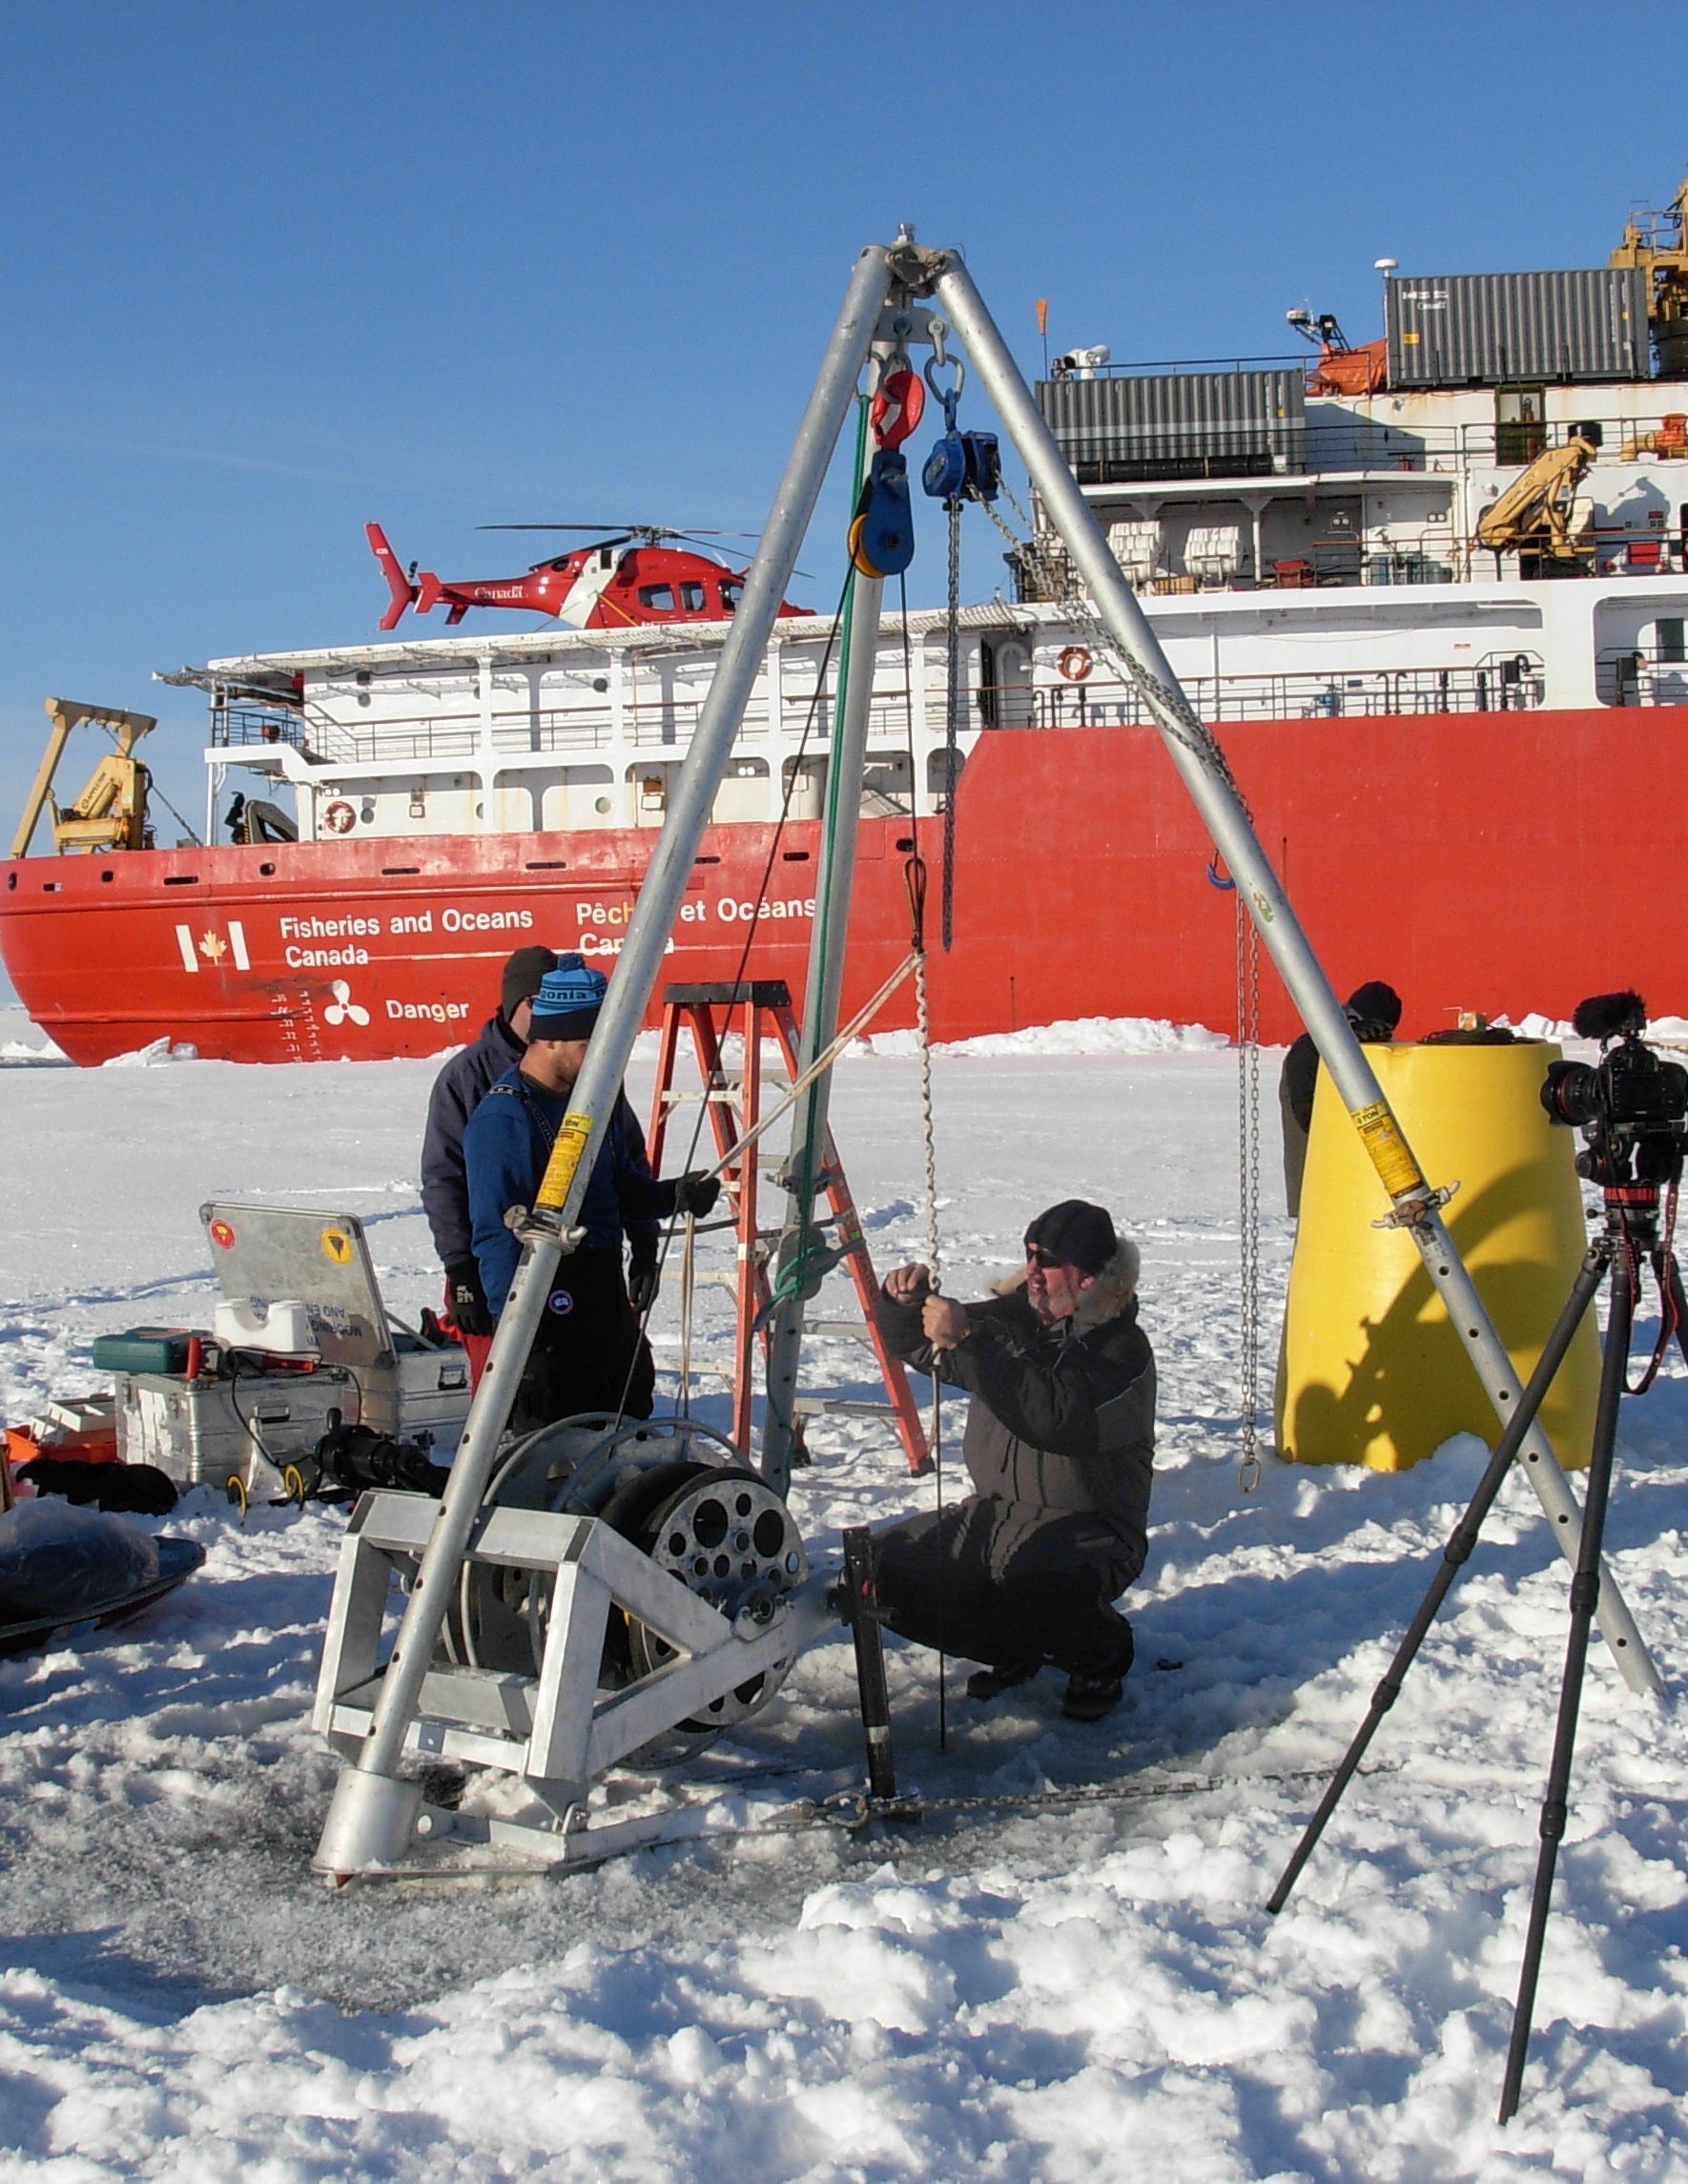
x,y
1088,1697
986,1683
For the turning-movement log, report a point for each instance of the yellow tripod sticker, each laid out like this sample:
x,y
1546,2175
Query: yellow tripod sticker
x,y
572,1134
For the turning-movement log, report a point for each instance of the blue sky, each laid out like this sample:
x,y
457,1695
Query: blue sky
x,y
270,272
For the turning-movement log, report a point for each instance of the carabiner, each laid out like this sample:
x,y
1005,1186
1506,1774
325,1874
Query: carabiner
x,y
949,399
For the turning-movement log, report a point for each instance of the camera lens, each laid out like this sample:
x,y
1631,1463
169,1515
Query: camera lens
x,y
1572,1093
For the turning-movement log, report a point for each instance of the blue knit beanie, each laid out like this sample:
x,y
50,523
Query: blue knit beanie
x,y
568,1000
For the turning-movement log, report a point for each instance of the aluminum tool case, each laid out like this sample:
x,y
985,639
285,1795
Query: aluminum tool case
x,y
250,1423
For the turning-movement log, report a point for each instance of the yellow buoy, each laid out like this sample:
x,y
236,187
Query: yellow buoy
x,y
1369,1370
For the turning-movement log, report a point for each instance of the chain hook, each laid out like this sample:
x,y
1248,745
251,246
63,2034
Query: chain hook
x,y
939,361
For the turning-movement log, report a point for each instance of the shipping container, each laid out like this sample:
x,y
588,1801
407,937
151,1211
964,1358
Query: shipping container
x,y
1485,329
1179,425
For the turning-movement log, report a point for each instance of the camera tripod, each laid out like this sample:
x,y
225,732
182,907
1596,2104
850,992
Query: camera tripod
x,y
1631,1235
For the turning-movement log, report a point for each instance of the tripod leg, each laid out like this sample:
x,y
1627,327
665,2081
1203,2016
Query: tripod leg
x,y
1454,1555
1585,1593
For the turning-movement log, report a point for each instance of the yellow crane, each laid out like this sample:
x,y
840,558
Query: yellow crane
x,y
1538,508
110,812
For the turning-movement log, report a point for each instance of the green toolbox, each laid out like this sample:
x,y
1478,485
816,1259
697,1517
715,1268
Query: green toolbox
x,y
142,1349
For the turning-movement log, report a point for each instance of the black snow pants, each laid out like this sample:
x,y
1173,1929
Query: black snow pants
x,y
588,1353
952,1582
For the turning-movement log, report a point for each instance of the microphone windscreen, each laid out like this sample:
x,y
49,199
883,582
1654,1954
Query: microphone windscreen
x,y
1609,1016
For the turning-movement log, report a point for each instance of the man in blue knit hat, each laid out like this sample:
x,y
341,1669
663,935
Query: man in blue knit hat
x,y
590,1352
457,1091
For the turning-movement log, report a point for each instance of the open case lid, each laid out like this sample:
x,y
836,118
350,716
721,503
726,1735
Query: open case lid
x,y
263,1253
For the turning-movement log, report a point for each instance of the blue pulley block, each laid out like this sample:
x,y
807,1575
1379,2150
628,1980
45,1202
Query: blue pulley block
x,y
984,464
945,475
882,536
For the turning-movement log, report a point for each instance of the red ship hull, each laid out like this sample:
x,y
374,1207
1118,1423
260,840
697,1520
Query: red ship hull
x,y
1504,861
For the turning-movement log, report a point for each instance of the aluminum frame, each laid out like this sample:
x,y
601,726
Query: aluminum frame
x,y
556,1730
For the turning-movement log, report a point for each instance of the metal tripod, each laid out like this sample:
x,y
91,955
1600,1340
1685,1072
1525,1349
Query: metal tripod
x,y
1630,1234
372,1818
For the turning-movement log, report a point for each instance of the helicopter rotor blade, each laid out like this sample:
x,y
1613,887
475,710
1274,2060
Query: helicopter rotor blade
x,y
651,531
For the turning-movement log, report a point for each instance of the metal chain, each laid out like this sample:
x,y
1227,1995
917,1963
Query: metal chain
x,y
1248,1192
952,723
1169,706
687,1308
923,1041
934,1429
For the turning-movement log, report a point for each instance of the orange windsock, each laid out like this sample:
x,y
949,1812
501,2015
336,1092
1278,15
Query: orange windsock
x,y
1042,314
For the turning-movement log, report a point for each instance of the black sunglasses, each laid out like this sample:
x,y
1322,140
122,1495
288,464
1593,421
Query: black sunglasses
x,y
1040,1256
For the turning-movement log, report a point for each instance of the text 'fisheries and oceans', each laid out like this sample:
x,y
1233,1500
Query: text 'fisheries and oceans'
x,y
350,932
335,943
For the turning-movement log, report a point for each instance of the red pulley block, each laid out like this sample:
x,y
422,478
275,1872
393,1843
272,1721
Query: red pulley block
x,y
897,409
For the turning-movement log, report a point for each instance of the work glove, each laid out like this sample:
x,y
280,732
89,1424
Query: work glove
x,y
695,1193
468,1299
644,1280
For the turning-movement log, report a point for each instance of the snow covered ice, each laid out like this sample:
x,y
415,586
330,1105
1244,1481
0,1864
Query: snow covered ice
x,y
1087,1989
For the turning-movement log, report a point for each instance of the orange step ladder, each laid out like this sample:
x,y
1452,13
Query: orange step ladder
x,y
734,1106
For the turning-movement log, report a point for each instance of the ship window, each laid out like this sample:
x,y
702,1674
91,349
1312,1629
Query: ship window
x,y
1673,638
1520,427
731,592
657,598
691,598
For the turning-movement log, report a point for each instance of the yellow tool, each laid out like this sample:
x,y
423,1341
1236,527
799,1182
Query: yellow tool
x,y
1537,509
110,814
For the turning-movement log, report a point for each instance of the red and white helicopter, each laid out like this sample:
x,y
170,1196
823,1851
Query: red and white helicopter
x,y
631,577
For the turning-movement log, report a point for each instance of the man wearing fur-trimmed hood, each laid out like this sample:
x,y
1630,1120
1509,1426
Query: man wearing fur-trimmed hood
x,y
1060,1446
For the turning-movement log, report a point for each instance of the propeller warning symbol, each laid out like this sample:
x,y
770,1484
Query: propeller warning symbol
x,y
336,1247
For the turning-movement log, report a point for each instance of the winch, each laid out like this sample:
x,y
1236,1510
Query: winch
x,y
628,1592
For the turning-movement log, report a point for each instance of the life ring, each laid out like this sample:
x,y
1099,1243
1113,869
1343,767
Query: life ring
x,y
1074,664
340,818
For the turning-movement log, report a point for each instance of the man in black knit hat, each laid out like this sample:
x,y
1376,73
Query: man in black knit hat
x,y
1060,1446
457,1091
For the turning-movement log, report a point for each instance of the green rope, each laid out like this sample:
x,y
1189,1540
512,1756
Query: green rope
x,y
810,1247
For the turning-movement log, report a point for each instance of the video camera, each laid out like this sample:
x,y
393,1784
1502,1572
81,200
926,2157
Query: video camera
x,y
1631,1103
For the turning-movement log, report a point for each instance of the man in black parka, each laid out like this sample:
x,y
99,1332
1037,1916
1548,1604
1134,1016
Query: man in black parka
x,y
1060,1446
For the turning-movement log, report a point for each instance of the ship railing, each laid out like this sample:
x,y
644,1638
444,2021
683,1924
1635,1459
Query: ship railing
x,y
1501,682
1343,441
660,725
1655,673
241,726
1434,555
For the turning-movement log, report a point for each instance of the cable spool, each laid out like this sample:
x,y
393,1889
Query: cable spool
x,y
1074,664
681,1495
